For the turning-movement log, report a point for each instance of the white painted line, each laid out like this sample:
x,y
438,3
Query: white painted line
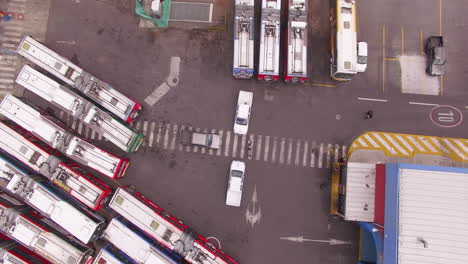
x,y
218,151
188,148
416,103
362,142
384,143
329,153
157,94
174,137
305,153
181,147
166,136
234,146
320,156
437,143
10,39
250,146
344,153
203,149
9,45
281,155
242,150
313,151
336,152
13,69
145,129
427,144
454,149
273,152
6,81
289,156
159,134
267,148
12,33
390,138
461,145
6,87
298,150
228,141
258,148
416,143
195,147
371,140
372,99
7,75
405,143
13,27
174,68
151,135
210,150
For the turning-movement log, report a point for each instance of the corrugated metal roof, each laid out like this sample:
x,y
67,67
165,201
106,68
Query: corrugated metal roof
x,y
433,216
360,192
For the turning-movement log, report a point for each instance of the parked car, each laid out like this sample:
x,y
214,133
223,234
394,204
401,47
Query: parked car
x,y
195,138
244,106
435,52
235,183
361,65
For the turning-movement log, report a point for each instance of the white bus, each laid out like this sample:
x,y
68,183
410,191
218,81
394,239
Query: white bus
x,y
244,39
347,57
137,245
80,108
37,157
102,93
61,139
166,229
13,253
112,255
50,202
28,229
296,42
270,32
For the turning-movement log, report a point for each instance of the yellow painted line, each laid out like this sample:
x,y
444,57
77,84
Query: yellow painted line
x,y
421,49
391,59
441,79
335,182
407,145
440,17
383,58
321,84
402,41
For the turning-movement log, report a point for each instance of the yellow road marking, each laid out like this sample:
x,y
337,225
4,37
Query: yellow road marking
x,y
402,41
441,85
391,59
321,84
383,58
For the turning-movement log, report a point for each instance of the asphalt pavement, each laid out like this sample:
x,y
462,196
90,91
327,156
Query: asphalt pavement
x,y
103,37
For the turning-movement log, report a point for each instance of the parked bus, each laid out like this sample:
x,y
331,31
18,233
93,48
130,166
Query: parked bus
x,y
244,39
13,253
295,60
80,108
77,149
137,245
348,57
102,93
26,227
112,255
34,155
270,33
50,202
166,229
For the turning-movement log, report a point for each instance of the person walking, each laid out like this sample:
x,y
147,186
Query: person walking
x,y
369,114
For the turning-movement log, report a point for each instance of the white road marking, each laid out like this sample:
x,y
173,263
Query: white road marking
x,y
171,81
320,156
203,149
218,151
437,143
344,154
157,94
273,152
6,81
267,148
384,142
427,144
416,103
416,143
188,148
151,135
195,147
12,33
252,215
250,146
10,39
158,135
68,42
452,147
362,142
305,153
166,136
336,152
242,150
258,148
372,141
210,150
174,68
13,69
372,99
281,155
145,130
298,150
290,146
329,154
181,147
461,145
228,141
404,142
174,136
7,74
234,146
393,141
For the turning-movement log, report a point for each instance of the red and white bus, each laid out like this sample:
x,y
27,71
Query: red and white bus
x,y
166,229
295,60
48,130
270,33
40,158
13,253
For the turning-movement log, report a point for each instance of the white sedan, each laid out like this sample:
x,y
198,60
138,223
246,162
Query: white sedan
x,y
244,106
236,181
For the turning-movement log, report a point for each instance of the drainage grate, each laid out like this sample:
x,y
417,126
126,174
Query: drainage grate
x,y
191,12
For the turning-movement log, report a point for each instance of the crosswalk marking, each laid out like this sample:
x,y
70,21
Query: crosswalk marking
x,y
273,153
305,153
267,148
174,136
344,154
234,146
281,156
258,147
182,128
250,144
298,150
145,129
211,151
166,136
289,157
228,140
218,151
158,135
320,157
242,150
329,154
203,150
151,135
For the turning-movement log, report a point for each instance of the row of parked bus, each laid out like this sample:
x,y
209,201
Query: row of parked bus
x,y
347,56
49,203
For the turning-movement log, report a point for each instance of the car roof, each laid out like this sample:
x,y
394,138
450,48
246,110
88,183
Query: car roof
x,y
243,110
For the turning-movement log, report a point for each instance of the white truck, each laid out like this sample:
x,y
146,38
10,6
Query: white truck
x,y
244,107
235,183
210,140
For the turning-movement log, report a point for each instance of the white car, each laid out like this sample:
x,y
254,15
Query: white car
x,y
361,65
244,106
236,181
